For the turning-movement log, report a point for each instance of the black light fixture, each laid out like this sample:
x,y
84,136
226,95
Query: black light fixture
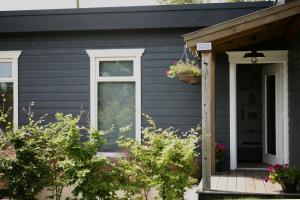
x,y
254,55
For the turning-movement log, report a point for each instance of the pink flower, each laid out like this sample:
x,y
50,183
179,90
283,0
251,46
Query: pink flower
x,y
277,166
221,147
166,72
270,169
267,179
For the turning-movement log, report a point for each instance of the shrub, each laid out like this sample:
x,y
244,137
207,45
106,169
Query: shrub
x,y
163,160
52,155
92,176
25,171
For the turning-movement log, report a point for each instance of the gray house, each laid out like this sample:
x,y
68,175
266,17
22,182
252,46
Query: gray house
x,y
111,61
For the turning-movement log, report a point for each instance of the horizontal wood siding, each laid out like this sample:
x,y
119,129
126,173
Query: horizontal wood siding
x,y
222,102
54,73
294,101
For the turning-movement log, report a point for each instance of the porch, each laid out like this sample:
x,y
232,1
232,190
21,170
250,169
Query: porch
x,y
243,183
274,29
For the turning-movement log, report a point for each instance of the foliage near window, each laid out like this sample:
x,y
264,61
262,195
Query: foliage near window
x,y
163,160
52,156
116,107
6,104
93,176
42,155
24,168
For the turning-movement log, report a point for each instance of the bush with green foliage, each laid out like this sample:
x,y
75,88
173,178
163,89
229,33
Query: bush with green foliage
x,y
42,155
51,155
24,165
92,176
163,160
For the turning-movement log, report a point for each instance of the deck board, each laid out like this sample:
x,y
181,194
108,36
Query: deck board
x,y
231,181
268,185
259,182
244,182
222,186
240,182
277,187
215,182
250,185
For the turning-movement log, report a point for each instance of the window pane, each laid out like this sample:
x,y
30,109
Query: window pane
x,y
116,107
271,115
5,70
116,68
6,103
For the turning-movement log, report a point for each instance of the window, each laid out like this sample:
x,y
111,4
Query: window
x,y
9,86
115,92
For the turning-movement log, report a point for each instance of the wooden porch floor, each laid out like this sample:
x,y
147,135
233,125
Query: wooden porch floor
x,y
245,182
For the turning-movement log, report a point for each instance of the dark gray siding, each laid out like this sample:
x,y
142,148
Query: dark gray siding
x,y
222,101
124,18
54,73
294,101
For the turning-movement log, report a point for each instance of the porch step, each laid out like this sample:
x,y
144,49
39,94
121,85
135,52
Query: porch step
x,y
235,195
243,183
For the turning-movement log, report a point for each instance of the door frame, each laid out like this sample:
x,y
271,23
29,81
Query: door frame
x,y
235,58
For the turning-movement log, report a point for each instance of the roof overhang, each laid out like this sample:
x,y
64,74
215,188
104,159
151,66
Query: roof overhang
x,y
125,18
264,25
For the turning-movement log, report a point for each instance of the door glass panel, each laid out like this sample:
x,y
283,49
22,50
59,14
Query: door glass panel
x,y
271,114
116,68
5,69
116,107
6,104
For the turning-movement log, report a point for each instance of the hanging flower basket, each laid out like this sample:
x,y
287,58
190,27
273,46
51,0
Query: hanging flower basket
x,y
189,78
185,71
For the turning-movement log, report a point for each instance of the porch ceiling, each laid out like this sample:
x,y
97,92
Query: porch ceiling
x,y
282,20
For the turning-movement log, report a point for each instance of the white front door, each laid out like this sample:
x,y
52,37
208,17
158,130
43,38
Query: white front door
x,y
273,115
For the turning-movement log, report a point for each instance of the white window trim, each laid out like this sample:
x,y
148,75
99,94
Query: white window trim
x,y
97,55
12,56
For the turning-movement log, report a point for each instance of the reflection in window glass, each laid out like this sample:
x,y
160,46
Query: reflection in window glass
x,y
6,103
5,70
116,68
116,106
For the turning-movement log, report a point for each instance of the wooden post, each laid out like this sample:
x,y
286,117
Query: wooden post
x,y
208,112
213,112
